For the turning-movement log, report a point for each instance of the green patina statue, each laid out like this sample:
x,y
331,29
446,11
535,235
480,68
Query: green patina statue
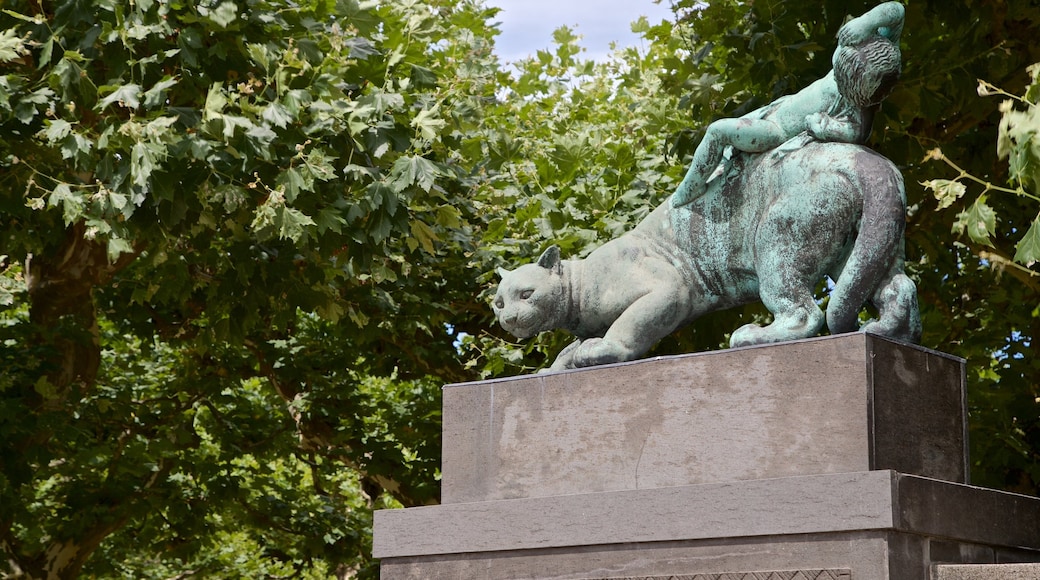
x,y
768,227
839,107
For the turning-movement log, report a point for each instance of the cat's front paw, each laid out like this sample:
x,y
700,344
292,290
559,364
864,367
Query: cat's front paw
x,y
600,351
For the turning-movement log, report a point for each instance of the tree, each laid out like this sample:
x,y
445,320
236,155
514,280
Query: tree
x,y
234,236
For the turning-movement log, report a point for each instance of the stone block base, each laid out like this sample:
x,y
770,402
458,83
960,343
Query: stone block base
x,y
836,404
840,457
877,525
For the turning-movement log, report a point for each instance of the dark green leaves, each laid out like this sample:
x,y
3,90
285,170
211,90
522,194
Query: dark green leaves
x,y
412,170
266,214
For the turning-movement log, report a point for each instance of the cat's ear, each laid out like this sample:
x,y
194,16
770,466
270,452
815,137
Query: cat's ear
x,y
550,258
501,272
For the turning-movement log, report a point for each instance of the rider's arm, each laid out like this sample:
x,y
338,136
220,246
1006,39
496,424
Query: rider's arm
x,y
884,19
849,128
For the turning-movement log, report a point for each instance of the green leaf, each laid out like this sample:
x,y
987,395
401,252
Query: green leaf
x,y
277,115
320,165
10,45
259,54
156,96
232,122
292,223
143,159
428,123
215,102
423,77
945,191
19,16
70,203
126,96
57,130
980,221
412,169
425,235
27,109
223,15
294,182
46,52
361,47
1027,250
76,146
261,136
329,219
118,246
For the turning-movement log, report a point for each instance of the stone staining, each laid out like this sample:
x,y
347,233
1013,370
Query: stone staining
x,y
784,575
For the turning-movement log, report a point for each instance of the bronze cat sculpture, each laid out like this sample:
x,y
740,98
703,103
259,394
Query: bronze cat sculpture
x,y
770,229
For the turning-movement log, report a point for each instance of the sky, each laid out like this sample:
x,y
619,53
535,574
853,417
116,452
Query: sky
x,y
527,25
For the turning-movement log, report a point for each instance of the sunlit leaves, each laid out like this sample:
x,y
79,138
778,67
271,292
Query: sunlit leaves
x,y
946,191
275,218
223,13
428,123
979,221
126,96
57,130
1018,141
156,96
11,45
1027,251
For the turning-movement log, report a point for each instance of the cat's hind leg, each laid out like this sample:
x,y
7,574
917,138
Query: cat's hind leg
x,y
795,313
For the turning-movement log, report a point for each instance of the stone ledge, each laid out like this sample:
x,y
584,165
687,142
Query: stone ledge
x,y
873,500
986,572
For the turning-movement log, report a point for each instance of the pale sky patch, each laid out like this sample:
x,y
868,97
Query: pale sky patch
x,y
527,25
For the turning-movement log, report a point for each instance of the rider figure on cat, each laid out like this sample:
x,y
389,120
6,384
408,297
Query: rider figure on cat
x,y
838,107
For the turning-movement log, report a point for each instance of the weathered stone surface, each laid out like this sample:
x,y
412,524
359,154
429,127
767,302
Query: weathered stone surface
x,y
987,572
863,553
868,555
772,575
837,404
879,501
880,525
797,505
807,574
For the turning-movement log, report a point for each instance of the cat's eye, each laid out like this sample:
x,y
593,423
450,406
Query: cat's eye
x,y
526,294
500,304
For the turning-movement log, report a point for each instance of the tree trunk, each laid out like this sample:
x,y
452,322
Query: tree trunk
x,y
64,319
62,308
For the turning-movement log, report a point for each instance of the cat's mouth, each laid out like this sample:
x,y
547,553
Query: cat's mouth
x,y
518,327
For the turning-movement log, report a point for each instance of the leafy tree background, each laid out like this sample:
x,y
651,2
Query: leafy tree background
x,y
245,243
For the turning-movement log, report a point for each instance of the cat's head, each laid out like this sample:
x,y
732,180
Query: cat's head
x,y
532,298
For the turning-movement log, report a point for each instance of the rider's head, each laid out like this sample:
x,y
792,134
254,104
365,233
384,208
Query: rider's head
x,y
866,72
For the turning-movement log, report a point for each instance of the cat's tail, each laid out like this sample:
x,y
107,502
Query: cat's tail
x,y
874,268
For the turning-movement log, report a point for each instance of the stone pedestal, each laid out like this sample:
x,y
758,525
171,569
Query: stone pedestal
x,y
840,457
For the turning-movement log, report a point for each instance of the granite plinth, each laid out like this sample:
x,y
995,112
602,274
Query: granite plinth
x,y
880,525
838,404
836,458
